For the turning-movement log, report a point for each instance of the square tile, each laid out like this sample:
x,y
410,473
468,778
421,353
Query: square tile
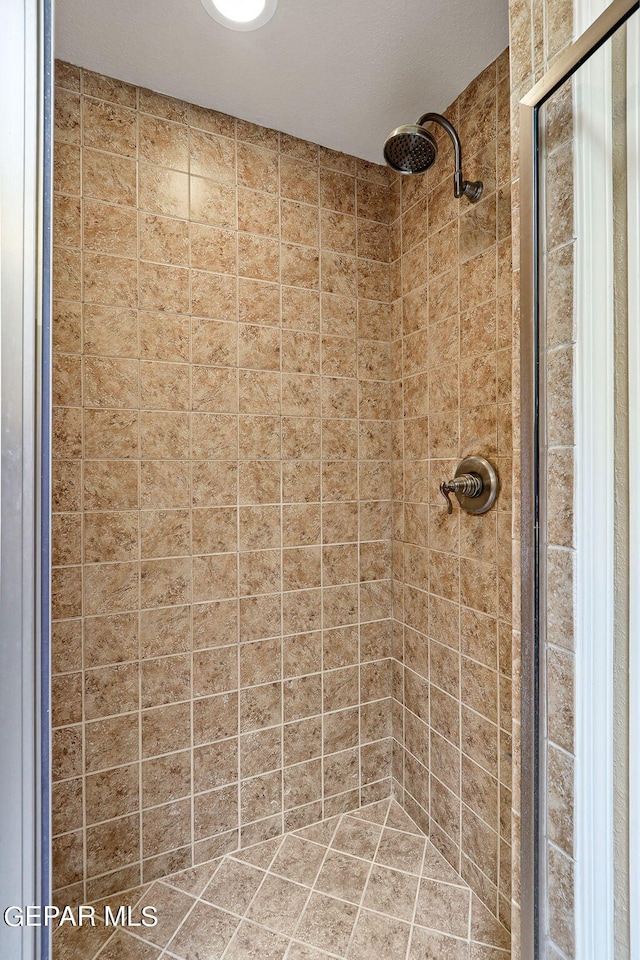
x,y
319,832
253,942
343,876
260,854
357,837
300,951
375,935
444,907
402,851
298,860
327,923
194,880
427,945
373,812
172,906
391,892
125,947
233,886
278,904
435,867
485,928
205,934
399,820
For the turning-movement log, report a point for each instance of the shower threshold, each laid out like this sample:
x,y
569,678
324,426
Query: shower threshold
x,y
362,885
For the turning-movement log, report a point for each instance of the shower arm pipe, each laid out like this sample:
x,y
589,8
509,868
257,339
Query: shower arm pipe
x,y
461,187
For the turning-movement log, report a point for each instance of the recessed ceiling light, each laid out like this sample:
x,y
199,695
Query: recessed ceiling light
x,y
241,14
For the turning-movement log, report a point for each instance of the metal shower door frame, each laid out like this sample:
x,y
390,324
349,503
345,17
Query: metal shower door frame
x,y
25,408
533,784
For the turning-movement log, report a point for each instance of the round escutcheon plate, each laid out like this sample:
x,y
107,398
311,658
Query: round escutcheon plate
x,y
490,484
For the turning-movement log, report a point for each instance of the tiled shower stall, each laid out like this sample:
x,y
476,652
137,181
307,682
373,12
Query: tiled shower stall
x,y
267,357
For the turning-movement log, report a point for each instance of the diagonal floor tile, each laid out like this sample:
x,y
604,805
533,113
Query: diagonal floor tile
x,y
373,812
298,860
437,868
327,923
259,855
378,936
391,892
253,942
402,851
480,951
299,896
343,876
443,907
125,947
485,928
171,905
204,935
357,837
278,904
319,832
194,881
130,898
300,951
427,945
233,886
399,820
79,943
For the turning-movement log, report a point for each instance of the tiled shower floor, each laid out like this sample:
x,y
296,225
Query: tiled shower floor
x,y
362,886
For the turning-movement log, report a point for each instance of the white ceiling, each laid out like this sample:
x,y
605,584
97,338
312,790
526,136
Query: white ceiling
x,y
342,73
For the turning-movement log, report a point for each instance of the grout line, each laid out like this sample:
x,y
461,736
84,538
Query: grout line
x,y
85,867
415,904
268,871
281,503
338,820
405,709
366,884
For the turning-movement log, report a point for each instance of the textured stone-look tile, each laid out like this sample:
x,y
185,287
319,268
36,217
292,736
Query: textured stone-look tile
x,y
401,851
85,941
444,908
391,892
298,860
343,876
252,942
206,932
278,905
358,838
276,900
233,886
301,225
194,880
435,946
375,933
261,854
327,923
299,951
124,947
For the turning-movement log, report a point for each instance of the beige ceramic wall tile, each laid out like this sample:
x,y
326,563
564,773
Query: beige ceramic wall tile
x,y
446,261
216,431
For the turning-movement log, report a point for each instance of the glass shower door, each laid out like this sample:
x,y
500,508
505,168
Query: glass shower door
x,y
581,235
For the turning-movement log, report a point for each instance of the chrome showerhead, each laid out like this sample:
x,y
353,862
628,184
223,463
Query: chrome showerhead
x,y
410,149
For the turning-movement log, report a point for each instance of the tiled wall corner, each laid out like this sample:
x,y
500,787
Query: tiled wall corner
x,y
452,356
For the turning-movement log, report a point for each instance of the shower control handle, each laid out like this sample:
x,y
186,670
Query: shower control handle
x,y
466,485
475,486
